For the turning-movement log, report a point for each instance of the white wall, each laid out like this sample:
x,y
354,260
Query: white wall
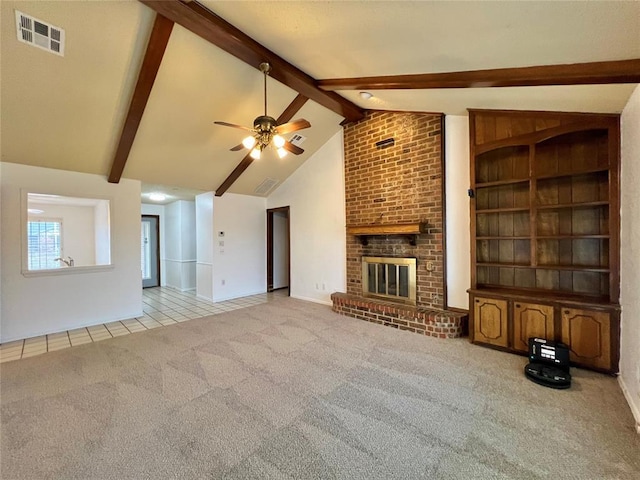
x,y
204,245
35,305
102,219
630,255
457,208
280,250
315,194
240,263
148,209
180,248
172,244
188,245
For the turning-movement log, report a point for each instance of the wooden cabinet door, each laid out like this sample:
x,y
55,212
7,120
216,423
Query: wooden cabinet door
x,y
588,335
490,321
531,320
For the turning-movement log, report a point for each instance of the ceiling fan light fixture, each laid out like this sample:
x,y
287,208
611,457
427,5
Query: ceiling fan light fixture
x,y
266,131
278,141
249,142
255,153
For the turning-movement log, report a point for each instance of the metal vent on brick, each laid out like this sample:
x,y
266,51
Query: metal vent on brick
x,y
40,34
266,186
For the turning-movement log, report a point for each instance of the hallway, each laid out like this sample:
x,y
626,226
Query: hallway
x,y
161,306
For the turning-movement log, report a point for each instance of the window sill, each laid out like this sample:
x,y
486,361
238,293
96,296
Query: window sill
x,y
67,271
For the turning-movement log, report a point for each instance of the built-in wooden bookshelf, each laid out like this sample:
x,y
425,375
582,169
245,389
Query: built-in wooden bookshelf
x,y
545,232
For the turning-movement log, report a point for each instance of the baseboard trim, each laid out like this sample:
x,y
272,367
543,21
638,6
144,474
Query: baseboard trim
x,y
182,290
635,409
241,295
313,300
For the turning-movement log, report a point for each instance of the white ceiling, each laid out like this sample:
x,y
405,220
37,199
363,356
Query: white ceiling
x,y
67,112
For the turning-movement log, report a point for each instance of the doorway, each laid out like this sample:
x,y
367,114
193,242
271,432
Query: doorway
x,y
278,249
150,249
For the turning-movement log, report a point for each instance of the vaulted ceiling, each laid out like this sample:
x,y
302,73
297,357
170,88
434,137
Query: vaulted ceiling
x,y
69,112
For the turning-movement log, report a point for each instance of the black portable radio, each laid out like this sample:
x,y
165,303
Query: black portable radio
x,y
548,363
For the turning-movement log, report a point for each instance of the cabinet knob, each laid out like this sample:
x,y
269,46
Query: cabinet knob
x,y
517,305
477,301
567,312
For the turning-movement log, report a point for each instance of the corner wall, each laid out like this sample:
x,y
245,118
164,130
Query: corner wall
x,y
315,193
204,246
630,255
240,261
38,305
458,218
180,245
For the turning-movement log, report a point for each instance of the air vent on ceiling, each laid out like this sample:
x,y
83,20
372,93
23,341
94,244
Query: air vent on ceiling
x,y
266,186
40,34
297,139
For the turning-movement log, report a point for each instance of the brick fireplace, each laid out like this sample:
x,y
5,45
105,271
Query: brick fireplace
x,y
394,209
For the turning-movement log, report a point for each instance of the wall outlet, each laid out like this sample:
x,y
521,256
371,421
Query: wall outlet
x,y
317,286
324,286
429,266
223,282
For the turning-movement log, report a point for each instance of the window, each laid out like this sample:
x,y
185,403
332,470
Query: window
x,y
44,244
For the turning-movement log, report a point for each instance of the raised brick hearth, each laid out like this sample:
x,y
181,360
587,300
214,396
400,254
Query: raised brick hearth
x,y
435,323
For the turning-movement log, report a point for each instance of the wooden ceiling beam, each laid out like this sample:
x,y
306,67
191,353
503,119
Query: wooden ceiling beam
x,y
619,71
293,108
206,24
150,65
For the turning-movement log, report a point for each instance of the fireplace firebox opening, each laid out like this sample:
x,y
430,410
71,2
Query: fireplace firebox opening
x,y
389,278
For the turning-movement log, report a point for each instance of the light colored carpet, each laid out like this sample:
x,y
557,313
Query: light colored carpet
x,y
291,390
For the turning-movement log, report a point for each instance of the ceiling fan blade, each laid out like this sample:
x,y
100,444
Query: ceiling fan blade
x,y
296,150
237,147
292,126
225,124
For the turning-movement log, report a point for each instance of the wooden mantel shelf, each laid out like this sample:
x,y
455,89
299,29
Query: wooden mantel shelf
x,y
364,231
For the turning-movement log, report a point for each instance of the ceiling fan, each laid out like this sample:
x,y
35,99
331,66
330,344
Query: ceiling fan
x,y
265,129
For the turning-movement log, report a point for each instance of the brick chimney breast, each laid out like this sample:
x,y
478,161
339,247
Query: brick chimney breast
x,y
400,183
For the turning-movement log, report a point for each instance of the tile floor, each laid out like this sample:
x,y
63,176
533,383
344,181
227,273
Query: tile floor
x,y
161,307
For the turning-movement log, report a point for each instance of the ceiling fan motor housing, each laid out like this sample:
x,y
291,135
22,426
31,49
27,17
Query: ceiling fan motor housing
x,y
265,127
264,123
